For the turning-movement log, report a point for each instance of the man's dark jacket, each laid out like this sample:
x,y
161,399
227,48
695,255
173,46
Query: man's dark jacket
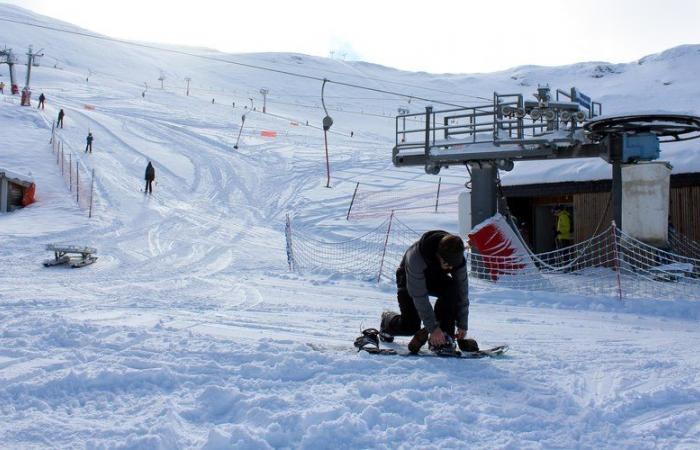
x,y
420,263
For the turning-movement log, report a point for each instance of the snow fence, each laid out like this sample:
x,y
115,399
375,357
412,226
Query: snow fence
x,y
609,264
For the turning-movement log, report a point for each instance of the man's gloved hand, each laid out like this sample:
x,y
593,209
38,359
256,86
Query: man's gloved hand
x,y
437,337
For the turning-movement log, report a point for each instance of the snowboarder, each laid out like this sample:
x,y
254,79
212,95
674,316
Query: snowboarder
x,y
59,123
42,98
88,140
150,176
433,265
2,87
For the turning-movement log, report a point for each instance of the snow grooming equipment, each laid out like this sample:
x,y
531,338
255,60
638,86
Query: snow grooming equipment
x,y
369,342
62,255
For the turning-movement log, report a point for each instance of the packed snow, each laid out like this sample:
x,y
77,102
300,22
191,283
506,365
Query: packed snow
x,y
190,331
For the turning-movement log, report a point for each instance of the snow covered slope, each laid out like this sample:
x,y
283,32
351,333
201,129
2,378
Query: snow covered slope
x,y
189,332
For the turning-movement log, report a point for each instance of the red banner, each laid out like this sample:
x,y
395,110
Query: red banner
x,y
502,251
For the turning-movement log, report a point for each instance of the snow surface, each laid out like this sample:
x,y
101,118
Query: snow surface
x,y
189,332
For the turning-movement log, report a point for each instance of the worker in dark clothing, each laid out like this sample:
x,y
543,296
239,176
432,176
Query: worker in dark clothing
x,y
434,265
60,119
42,98
88,140
150,176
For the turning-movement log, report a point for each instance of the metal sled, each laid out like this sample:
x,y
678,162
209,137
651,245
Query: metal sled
x,y
62,255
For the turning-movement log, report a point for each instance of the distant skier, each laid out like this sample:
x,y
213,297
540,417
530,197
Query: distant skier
x,y
352,133
2,87
143,94
42,99
88,140
59,123
150,176
212,101
434,265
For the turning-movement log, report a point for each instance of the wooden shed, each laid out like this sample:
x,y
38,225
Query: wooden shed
x,y
16,191
533,194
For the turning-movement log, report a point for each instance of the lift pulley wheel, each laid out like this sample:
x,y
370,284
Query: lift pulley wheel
x,y
667,127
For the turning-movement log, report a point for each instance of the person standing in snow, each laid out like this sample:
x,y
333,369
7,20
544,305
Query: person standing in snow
x,y
42,98
2,87
59,123
433,265
563,218
88,140
150,176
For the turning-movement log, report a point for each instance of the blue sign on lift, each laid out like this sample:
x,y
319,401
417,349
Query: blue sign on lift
x,y
583,100
640,147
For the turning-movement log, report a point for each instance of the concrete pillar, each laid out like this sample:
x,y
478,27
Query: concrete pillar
x,y
645,201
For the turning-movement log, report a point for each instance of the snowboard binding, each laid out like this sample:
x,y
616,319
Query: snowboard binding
x,y
369,342
448,349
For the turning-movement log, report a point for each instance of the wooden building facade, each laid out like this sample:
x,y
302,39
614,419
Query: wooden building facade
x,y
590,206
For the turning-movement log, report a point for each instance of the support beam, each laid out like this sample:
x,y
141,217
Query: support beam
x,y
617,192
484,195
3,194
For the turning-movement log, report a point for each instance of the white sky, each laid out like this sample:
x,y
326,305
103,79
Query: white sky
x,y
433,36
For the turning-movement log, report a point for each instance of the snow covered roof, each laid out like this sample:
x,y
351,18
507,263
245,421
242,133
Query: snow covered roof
x,y
16,177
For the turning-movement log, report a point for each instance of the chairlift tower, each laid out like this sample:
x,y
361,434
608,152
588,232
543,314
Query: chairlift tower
x,y
32,60
7,57
495,135
188,79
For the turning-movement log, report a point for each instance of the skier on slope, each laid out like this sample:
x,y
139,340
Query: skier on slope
x,y
42,99
88,142
150,176
434,265
59,123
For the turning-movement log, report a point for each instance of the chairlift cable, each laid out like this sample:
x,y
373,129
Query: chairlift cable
x,y
228,61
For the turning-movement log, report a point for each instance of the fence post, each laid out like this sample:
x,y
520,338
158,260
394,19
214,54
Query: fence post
x,y
70,172
437,198
53,128
386,241
288,237
77,183
62,174
352,201
616,257
92,191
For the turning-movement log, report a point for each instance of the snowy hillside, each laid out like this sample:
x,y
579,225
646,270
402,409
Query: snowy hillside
x,y
190,332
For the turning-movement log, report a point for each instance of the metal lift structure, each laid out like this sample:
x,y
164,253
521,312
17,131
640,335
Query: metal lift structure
x,y
9,58
494,136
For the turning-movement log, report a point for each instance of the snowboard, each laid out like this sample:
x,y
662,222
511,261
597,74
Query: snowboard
x,y
482,353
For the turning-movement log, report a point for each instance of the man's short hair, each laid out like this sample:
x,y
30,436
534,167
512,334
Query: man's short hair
x,y
451,249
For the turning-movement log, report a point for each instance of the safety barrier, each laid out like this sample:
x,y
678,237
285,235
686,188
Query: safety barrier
x,y
609,264
79,179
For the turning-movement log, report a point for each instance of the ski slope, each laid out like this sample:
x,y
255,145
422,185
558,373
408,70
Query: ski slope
x,y
190,332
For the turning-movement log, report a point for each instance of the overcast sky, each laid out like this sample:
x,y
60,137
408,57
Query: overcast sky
x,y
433,36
